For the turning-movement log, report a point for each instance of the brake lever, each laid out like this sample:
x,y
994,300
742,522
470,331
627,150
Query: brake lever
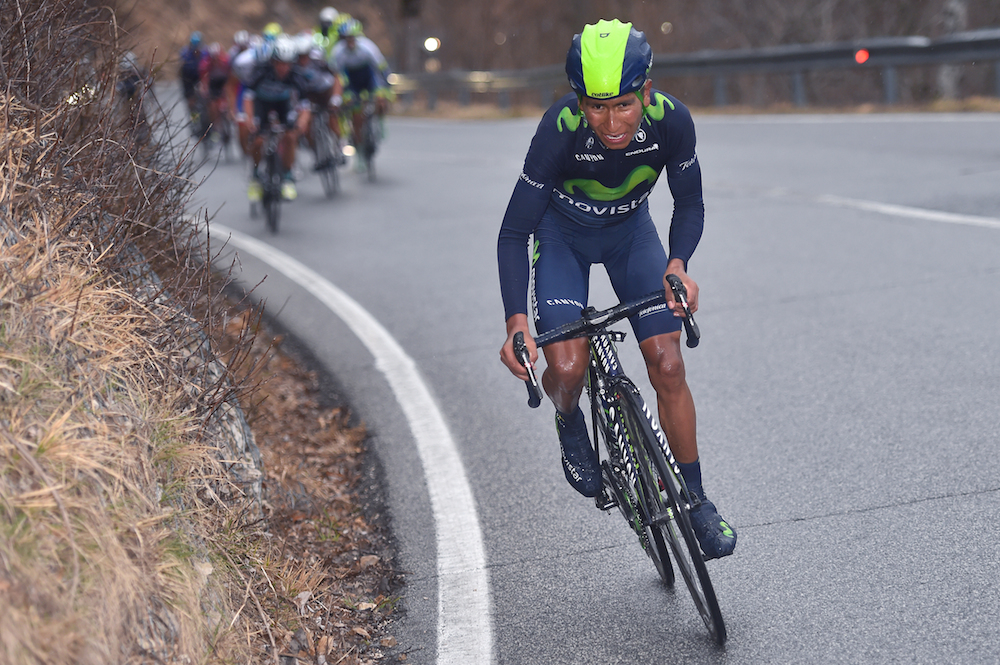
x,y
680,295
523,357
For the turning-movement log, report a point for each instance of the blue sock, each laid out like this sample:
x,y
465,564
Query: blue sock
x,y
692,478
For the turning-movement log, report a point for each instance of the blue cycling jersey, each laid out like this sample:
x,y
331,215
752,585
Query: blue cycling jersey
x,y
569,172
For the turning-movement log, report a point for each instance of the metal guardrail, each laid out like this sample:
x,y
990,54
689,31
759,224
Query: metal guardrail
x,y
884,53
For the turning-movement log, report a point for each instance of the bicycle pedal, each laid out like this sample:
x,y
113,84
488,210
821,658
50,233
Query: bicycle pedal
x,y
605,500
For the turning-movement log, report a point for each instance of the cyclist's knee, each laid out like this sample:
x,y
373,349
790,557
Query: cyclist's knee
x,y
664,363
566,364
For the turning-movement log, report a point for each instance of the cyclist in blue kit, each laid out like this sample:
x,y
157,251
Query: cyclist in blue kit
x,y
582,194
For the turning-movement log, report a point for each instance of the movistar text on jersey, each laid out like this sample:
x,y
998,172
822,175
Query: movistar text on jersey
x,y
621,209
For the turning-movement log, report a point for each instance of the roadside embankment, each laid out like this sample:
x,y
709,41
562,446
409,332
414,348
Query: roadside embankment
x,y
139,521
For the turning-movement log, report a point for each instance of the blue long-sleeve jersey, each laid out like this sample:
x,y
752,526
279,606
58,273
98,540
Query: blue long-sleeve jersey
x,y
569,169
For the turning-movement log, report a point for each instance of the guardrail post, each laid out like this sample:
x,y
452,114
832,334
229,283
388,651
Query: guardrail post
x,y
720,91
798,89
890,84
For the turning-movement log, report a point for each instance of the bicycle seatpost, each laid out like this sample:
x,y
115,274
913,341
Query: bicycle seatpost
x,y
523,357
680,295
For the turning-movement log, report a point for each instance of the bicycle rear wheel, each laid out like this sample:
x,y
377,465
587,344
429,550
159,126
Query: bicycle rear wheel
x,y
668,508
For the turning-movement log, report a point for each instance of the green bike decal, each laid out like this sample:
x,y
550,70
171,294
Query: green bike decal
x,y
595,191
570,120
535,253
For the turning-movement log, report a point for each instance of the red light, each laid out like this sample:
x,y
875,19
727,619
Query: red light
x,y
861,56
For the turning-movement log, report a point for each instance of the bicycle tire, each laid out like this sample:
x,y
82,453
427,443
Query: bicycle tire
x,y
323,142
369,144
618,478
670,522
272,192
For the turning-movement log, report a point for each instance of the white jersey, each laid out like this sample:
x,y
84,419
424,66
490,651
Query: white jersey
x,y
364,54
244,64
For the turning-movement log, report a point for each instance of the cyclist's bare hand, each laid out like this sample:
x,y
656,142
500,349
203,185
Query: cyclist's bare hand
x,y
676,267
518,323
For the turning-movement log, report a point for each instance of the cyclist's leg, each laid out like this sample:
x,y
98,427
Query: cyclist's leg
x,y
560,277
636,268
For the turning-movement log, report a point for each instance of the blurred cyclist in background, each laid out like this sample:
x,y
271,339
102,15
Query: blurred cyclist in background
x,y
190,73
324,91
366,71
242,42
258,52
132,83
215,77
277,85
325,34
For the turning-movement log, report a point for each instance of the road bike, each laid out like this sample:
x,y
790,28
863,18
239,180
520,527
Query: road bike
x,y
639,474
325,148
271,172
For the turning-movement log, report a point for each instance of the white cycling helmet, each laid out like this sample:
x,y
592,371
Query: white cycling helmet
x,y
328,15
304,43
285,49
241,38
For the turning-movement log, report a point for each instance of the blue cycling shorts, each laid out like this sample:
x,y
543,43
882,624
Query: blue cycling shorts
x,y
631,252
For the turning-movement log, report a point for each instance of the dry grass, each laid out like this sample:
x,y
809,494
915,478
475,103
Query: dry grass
x,y
136,524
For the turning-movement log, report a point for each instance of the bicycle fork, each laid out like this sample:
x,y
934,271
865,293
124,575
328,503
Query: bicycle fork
x,y
604,365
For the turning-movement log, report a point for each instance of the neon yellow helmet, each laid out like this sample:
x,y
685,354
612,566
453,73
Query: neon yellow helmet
x,y
608,59
272,30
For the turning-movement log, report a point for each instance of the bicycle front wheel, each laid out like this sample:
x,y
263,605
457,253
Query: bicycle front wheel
x,y
325,158
669,519
272,193
369,144
620,474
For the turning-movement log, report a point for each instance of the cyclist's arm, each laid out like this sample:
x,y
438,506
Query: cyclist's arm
x,y
684,179
526,207
688,220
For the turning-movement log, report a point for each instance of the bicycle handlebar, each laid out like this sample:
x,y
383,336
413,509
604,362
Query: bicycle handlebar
x,y
521,351
593,321
680,295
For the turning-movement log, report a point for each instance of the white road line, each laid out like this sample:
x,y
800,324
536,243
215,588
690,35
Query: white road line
x,y
913,213
846,118
465,630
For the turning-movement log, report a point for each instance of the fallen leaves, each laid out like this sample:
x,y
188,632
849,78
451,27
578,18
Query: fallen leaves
x,y
334,580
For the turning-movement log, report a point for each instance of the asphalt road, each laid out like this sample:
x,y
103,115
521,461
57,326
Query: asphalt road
x,y
847,386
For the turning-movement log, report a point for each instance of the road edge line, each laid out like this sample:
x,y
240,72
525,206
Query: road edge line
x,y
465,630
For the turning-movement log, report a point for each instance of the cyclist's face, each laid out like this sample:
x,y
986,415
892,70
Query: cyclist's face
x,y
282,68
615,121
